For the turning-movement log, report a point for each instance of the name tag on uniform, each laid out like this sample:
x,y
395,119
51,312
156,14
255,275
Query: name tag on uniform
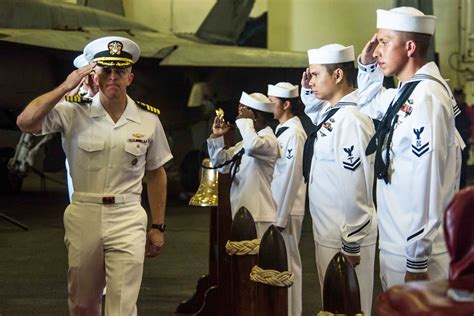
x,y
138,140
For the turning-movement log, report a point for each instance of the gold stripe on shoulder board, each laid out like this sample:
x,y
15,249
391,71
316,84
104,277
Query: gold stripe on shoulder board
x,y
148,107
77,99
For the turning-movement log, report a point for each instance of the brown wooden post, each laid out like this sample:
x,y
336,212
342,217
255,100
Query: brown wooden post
x,y
244,290
341,293
213,246
218,295
219,299
224,219
224,222
272,300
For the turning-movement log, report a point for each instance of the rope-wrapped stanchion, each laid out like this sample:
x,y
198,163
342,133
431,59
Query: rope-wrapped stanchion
x,y
271,275
341,293
243,248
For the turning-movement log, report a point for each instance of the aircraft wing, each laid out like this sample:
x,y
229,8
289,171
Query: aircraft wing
x,y
70,27
174,51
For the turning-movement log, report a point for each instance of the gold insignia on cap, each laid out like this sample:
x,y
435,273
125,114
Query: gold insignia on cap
x,y
115,48
220,112
137,135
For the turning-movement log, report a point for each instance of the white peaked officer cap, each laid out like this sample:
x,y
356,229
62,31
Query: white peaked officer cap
x,y
406,19
331,54
80,61
112,51
283,90
257,101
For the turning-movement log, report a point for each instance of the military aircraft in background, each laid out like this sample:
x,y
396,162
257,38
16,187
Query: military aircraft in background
x,y
181,75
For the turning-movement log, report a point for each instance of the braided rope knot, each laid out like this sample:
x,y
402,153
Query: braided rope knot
x,y
244,247
272,277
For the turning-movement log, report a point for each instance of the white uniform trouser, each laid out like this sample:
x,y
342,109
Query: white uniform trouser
x,y
393,268
104,241
292,234
364,271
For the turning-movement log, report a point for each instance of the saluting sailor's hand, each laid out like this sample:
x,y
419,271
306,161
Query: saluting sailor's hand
x,y
75,77
245,112
155,240
219,127
367,56
305,79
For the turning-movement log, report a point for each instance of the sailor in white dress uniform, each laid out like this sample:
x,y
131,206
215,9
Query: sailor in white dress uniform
x,y
339,174
289,190
417,147
253,159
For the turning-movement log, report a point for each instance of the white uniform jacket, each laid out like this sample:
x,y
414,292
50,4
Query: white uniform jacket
x,y
289,190
251,186
106,157
341,179
424,163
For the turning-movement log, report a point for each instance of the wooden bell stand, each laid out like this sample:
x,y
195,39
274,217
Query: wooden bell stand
x,y
213,294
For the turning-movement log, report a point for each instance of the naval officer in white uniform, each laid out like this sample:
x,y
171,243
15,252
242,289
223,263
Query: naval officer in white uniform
x,y
417,146
253,159
289,190
339,174
111,142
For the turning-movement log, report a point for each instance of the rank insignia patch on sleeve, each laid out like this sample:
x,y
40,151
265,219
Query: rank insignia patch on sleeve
x,y
421,142
351,162
290,155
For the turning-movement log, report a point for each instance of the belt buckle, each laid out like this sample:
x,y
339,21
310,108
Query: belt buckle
x,y
108,200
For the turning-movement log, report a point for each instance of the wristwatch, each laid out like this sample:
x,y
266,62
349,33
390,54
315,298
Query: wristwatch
x,y
160,227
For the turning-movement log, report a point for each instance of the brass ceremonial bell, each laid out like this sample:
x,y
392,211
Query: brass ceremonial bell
x,y
206,194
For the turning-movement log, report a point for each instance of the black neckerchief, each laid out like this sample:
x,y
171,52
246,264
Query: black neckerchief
x,y
235,166
385,129
234,162
280,130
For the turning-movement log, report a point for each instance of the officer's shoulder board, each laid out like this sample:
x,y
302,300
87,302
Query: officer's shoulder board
x,y
78,99
148,107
